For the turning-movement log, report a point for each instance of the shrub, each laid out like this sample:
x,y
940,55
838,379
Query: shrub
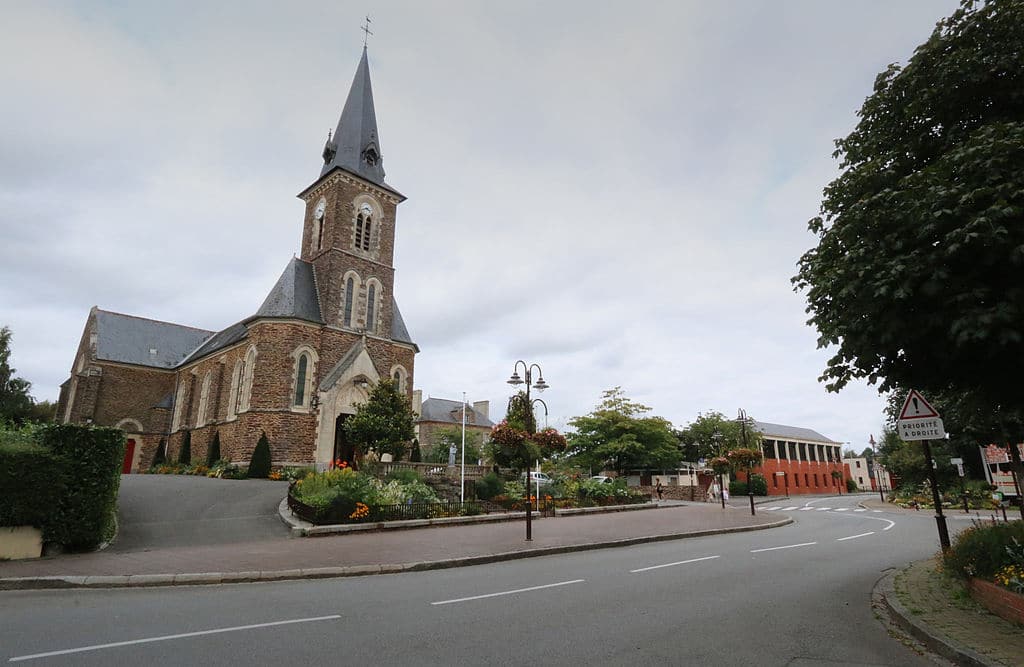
x,y
489,486
737,488
415,455
334,493
259,465
213,451
984,550
851,485
404,476
90,462
185,455
161,454
29,489
760,484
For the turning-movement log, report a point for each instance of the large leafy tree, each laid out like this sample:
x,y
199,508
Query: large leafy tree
x,y
15,402
698,439
916,278
384,424
618,435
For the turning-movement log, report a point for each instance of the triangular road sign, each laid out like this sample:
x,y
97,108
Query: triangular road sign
x,y
916,407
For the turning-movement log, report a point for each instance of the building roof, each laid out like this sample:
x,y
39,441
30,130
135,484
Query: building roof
x,y
294,295
219,341
792,433
441,409
355,144
399,332
137,340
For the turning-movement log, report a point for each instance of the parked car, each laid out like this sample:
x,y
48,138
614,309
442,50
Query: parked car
x,y
603,478
538,477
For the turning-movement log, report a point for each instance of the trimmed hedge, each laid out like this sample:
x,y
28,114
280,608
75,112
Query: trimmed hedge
x,y
259,466
62,479
89,461
29,485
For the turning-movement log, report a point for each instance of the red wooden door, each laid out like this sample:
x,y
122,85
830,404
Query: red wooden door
x,y
129,455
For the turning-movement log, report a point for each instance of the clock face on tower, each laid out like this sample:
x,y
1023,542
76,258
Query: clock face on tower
x,y
321,207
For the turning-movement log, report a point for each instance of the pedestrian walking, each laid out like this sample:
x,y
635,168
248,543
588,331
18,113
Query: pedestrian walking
x,y
658,489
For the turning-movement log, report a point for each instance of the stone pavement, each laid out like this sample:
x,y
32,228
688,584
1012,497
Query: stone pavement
x,y
376,552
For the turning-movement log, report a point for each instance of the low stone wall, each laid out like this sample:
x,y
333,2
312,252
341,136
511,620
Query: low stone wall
x,y
694,493
998,600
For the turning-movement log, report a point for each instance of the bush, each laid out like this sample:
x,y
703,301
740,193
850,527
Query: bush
x,y
851,485
983,550
489,486
90,463
161,453
404,476
29,489
185,456
737,488
415,455
213,452
259,466
334,493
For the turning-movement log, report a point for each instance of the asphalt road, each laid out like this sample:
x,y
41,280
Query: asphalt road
x,y
798,595
158,511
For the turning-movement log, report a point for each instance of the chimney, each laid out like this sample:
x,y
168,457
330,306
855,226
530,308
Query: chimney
x,y
482,407
417,401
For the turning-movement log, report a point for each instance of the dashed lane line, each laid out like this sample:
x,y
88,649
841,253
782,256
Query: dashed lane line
x,y
512,592
163,638
860,509
788,546
682,562
824,509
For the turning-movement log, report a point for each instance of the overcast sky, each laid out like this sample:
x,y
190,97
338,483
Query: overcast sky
x,y
618,191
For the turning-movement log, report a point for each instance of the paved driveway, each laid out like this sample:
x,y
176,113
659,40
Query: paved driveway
x,y
160,511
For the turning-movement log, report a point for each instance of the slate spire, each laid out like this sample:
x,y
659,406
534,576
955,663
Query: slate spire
x,y
355,146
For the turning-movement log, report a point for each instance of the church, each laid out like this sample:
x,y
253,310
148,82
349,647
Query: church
x,y
328,330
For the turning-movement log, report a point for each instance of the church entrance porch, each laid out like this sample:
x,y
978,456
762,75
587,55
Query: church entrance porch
x,y
343,449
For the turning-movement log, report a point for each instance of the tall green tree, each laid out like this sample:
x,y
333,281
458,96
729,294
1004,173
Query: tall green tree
x,y
384,424
15,401
618,435
698,436
916,277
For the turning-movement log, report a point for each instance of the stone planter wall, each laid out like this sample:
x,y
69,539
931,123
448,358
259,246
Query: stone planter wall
x,y
998,600
20,542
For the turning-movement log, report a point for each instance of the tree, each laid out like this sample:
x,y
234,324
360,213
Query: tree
x,y
698,436
916,275
446,436
259,464
414,454
15,402
617,435
384,424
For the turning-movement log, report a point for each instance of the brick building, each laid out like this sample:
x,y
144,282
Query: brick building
x,y
805,458
437,413
328,330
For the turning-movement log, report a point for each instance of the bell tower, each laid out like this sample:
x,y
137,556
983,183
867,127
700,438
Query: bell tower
x,y
349,226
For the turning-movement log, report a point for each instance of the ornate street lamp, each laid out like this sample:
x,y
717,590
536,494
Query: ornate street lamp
x,y
540,385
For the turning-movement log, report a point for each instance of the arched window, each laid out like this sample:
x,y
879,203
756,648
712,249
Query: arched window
x,y
398,374
236,383
179,402
371,309
245,392
300,379
364,227
350,297
204,398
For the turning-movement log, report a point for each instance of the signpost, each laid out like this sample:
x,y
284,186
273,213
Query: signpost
x,y
918,420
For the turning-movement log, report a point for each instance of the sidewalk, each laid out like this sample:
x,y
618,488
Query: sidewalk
x,y
356,554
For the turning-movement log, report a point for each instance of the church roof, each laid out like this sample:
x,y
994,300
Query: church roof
x,y
220,340
294,294
137,340
791,432
399,332
442,409
355,144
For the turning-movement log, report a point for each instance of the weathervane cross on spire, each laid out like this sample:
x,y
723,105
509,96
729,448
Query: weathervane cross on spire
x,y
366,29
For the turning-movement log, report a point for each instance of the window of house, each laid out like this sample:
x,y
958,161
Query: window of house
x,y
300,379
236,382
807,481
350,288
245,392
775,481
204,398
371,309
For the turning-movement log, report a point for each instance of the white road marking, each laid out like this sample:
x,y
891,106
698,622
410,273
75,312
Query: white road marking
x,y
768,509
807,509
97,647
824,509
787,509
841,509
877,511
518,590
853,537
860,509
682,562
788,546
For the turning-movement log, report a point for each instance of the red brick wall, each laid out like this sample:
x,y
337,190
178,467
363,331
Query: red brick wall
x,y
801,475
998,600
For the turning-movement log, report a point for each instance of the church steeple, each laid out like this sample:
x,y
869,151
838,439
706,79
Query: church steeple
x,y
355,145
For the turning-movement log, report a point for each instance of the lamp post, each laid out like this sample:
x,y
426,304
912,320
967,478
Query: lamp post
x,y
717,437
743,420
540,385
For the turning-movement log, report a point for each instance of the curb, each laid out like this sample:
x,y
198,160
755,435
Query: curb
x,y
207,578
924,633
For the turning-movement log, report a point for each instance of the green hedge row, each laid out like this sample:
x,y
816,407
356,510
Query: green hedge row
x,y
64,480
